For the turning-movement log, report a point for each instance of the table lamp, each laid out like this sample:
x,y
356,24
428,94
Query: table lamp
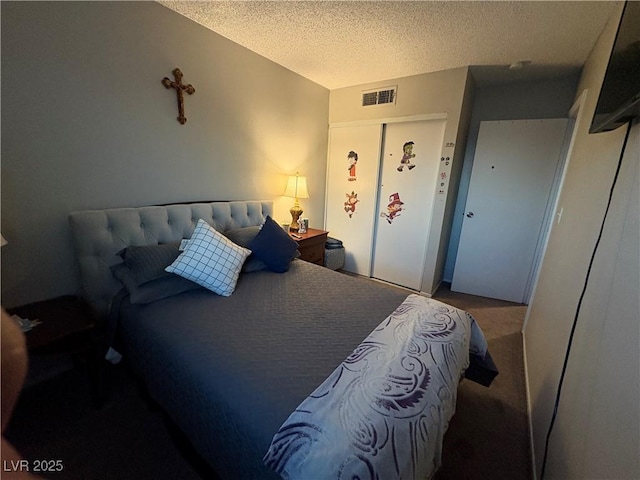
x,y
296,188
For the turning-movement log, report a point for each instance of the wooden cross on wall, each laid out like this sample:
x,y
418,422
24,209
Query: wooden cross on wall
x,y
180,88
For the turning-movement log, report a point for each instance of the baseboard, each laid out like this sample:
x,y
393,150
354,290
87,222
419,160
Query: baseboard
x,y
529,409
435,289
391,284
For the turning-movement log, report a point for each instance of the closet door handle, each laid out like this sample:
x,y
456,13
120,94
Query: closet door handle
x,y
470,214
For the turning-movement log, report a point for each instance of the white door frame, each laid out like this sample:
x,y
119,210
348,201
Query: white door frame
x,y
551,207
575,115
384,121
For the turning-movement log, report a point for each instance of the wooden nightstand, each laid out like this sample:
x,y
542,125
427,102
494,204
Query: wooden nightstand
x,y
67,326
63,320
311,245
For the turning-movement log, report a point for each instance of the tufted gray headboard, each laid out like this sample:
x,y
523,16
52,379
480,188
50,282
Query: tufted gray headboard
x,y
99,234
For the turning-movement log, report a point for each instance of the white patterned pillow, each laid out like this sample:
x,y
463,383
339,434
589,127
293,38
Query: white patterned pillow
x,y
210,259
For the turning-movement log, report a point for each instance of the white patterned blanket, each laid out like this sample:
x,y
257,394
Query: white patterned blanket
x,y
383,412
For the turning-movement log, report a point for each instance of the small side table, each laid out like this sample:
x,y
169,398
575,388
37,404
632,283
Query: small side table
x,y
311,245
67,326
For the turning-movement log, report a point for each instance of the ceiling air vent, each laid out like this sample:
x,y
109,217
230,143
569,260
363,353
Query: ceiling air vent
x,y
384,96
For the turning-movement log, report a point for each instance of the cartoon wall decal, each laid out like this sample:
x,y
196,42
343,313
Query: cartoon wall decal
x,y
350,204
393,208
407,155
353,160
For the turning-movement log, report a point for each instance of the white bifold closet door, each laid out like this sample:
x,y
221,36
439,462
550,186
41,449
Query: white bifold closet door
x,y
408,182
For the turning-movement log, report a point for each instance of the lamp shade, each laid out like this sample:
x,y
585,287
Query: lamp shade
x,y
297,187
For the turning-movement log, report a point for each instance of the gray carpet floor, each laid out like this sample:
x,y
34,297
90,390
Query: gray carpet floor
x,y
488,437
128,438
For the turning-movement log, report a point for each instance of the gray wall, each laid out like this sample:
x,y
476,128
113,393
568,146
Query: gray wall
x,y
597,432
87,124
522,100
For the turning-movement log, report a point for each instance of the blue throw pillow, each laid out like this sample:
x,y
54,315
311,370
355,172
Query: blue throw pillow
x,y
274,246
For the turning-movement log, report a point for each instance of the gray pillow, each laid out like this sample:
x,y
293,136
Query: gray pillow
x,y
151,290
147,262
243,237
143,276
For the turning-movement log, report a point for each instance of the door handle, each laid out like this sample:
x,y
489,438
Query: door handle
x,y
469,214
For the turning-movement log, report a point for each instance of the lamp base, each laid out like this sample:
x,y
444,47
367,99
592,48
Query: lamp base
x,y
295,215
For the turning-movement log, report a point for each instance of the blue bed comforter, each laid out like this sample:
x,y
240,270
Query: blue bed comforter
x,y
230,370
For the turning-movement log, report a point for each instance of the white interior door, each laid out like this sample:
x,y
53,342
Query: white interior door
x,y
352,180
409,175
513,172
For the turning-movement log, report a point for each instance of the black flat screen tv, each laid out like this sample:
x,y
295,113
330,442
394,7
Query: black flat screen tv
x,y
619,100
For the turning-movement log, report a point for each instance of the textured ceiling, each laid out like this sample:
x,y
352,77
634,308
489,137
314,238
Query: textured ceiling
x,y
338,44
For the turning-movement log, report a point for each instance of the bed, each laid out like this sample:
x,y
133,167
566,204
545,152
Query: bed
x,y
275,378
